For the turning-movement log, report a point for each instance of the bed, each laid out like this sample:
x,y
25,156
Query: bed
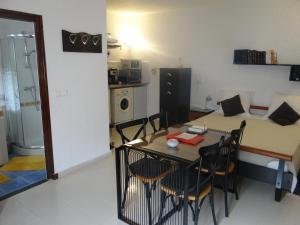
x,y
269,152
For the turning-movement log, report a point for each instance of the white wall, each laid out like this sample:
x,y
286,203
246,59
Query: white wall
x,y
204,37
2,102
79,118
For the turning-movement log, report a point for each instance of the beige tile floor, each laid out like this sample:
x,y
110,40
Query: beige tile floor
x,y
88,197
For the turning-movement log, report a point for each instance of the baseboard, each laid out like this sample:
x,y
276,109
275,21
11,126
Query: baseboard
x,y
82,165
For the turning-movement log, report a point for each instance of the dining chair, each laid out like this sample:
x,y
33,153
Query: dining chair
x,y
200,184
228,163
147,169
160,118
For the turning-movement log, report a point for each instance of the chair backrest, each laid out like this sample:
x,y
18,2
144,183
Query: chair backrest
x,y
142,128
231,146
209,158
163,121
237,136
210,155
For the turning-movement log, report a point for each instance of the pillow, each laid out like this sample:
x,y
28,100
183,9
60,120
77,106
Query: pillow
x,y
232,106
285,115
245,97
278,99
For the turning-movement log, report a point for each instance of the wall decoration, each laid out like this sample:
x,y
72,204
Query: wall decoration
x,y
81,42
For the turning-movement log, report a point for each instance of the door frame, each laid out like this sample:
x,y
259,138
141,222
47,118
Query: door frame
x,y
43,83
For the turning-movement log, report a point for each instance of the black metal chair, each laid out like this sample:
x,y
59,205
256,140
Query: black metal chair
x,y
147,169
162,117
228,163
199,187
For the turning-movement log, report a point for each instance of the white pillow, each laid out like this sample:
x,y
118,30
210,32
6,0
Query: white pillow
x,y
245,97
278,99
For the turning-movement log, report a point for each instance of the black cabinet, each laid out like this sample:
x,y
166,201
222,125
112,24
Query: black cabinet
x,y
175,93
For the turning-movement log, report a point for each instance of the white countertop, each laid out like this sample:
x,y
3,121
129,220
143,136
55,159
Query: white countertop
x,y
116,86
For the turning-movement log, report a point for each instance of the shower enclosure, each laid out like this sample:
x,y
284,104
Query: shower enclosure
x,y
19,74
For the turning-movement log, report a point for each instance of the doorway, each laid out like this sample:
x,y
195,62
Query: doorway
x,y
26,157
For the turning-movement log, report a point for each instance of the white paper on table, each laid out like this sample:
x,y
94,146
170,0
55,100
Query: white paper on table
x,y
186,136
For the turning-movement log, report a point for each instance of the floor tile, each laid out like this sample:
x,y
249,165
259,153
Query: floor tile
x,y
88,196
21,179
13,212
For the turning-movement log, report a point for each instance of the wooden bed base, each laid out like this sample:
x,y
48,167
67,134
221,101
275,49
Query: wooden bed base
x,y
266,153
280,179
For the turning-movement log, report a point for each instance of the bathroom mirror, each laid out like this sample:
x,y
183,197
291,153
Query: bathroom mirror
x,y
25,134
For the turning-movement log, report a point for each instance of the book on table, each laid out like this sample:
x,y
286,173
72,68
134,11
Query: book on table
x,y
186,137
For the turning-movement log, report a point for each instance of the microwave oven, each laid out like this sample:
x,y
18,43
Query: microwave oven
x,y
131,76
131,64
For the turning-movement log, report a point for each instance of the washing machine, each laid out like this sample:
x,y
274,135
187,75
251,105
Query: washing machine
x,y
121,105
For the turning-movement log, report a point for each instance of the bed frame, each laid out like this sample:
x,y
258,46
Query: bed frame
x,y
280,179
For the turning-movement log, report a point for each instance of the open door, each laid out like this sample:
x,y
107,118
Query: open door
x,y
25,128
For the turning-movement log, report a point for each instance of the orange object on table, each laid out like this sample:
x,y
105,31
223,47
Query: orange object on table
x,y
192,141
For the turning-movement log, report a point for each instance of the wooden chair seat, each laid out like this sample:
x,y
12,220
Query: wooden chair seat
x,y
173,184
221,172
149,170
206,190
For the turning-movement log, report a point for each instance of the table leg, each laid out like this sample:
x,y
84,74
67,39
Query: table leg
x,y
279,180
186,202
118,179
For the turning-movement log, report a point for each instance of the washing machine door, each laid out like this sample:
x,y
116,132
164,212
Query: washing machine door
x,y
125,109
124,104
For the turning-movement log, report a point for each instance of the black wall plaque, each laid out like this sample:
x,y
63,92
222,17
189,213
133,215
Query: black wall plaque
x,y
81,42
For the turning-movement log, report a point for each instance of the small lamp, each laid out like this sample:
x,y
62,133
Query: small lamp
x,y
207,99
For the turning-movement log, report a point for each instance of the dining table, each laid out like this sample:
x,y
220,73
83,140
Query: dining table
x,y
155,146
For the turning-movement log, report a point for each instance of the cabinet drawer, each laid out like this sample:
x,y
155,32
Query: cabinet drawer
x,y
169,75
168,84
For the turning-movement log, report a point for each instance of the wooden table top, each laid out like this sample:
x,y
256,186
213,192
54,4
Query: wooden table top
x,y
188,153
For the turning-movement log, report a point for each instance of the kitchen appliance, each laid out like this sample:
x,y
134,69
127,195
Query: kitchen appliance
x,y
130,76
113,76
121,105
131,64
131,71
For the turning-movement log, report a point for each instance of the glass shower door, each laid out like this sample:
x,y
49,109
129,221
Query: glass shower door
x,y
29,96
11,90
20,78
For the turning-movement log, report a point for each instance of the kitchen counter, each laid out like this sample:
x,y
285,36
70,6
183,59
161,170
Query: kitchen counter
x,y
116,86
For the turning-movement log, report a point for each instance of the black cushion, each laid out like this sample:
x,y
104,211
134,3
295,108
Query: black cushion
x,y
285,115
176,180
149,168
232,106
